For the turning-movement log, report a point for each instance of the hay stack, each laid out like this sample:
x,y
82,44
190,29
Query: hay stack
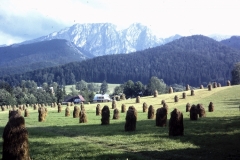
x,y
67,111
123,108
201,110
41,114
115,113
161,117
184,95
188,107
131,119
82,106
228,83
187,87
201,87
219,85
170,90
163,101
176,127
113,104
59,108
76,111
214,84
3,108
82,117
210,107
14,112
98,110
145,107
176,98
193,112
35,107
192,92
209,87
105,116
165,106
26,113
123,97
15,139
68,103
151,112
138,99
155,94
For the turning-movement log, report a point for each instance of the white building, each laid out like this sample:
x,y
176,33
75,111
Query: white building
x,y
101,98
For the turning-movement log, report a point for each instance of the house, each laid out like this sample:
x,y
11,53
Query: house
x,y
102,98
75,99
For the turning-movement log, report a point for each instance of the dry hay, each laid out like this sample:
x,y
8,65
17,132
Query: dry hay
x,y
82,106
24,107
82,117
26,113
123,108
115,113
151,112
165,106
15,139
209,87
201,87
188,107
76,111
59,108
210,107
105,115
170,90
72,104
46,111
138,99
228,83
184,95
163,101
155,94
117,98
214,84
68,103
145,107
175,98
161,117
193,112
201,110
123,97
219,85
98,110
113,104
131,119
176,127
3,108
41,114
67,111
14,112
192,92
187,87
35,107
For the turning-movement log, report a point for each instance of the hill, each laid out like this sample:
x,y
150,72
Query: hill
x,y
215,136
190,60
233,42
20,58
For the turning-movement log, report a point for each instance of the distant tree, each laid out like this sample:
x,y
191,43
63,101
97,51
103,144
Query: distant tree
x,y
104,87
118,89
59,94
156,84
74,92
93,87
6,98
81,85
128,89
236,74
138,88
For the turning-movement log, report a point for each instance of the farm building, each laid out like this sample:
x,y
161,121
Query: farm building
x,y
101,98
75,99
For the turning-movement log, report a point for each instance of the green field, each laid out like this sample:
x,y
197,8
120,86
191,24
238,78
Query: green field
x,y
216,136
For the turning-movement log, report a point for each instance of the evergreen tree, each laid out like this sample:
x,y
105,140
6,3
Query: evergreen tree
x,y
104,87
59,94
236,74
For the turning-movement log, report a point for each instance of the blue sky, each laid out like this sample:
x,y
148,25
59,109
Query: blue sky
x,y
22,20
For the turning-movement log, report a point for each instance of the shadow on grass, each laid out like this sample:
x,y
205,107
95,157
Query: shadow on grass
x,y
232,102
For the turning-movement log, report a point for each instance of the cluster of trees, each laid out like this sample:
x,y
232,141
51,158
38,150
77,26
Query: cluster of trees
x,y
192,60
131,89
236,74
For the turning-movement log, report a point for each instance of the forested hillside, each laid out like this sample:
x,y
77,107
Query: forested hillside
x,y
20,58
190,60
233,42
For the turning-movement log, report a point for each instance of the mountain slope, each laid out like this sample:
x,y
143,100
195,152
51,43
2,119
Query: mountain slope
x,y
190,60
99,39
233,42
28,57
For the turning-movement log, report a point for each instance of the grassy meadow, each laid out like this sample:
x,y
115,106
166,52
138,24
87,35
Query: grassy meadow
x,y
216,136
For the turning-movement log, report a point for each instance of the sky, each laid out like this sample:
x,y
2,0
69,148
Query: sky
x,y
22,20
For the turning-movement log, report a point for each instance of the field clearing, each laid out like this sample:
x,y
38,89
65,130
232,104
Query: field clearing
x,y
216,136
